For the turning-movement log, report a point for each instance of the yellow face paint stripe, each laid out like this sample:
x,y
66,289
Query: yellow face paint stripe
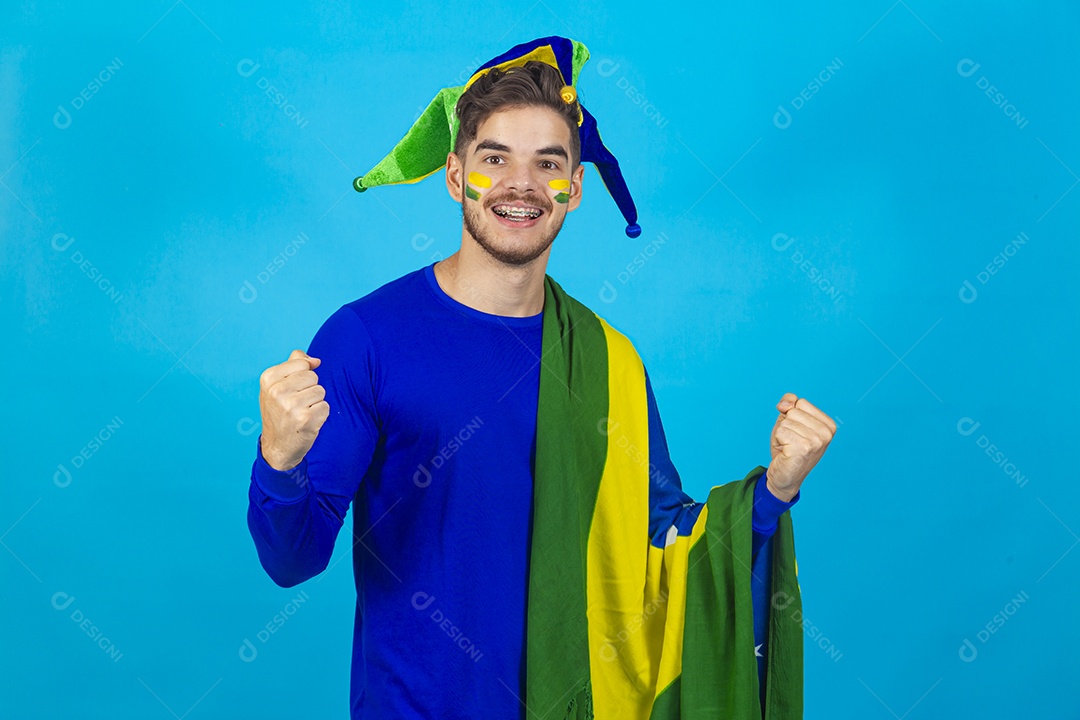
x,y
479,180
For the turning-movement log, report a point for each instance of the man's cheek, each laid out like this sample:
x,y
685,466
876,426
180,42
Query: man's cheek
x,y
478,183
561,185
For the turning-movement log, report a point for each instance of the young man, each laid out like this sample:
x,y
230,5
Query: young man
x,y
423,414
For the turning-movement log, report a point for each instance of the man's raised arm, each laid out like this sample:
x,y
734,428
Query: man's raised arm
x,y
671,506
319,432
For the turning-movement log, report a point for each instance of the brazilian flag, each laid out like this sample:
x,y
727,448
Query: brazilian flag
x,y
617,627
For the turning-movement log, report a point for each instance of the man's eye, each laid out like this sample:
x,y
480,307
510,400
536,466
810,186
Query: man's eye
x,y
492,157
549,165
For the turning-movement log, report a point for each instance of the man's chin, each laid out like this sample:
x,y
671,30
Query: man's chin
x,y
506,245
508,254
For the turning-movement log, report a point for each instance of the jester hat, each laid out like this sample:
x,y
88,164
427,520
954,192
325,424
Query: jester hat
x,y
423,150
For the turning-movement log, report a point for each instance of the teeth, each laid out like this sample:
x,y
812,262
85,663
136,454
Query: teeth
x,y
509,211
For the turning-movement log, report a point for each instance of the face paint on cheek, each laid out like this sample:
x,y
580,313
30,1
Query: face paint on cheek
x,y
479,180
560,184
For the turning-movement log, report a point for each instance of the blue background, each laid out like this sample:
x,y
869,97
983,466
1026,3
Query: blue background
x,y
180,230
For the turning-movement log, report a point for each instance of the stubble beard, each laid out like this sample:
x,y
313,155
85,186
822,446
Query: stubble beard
x,y
514,256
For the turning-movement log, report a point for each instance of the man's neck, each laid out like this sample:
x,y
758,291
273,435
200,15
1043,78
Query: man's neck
x,y
474,278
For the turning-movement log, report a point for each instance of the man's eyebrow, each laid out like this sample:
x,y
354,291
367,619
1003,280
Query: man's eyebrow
x,y
553,150
557,150
491,145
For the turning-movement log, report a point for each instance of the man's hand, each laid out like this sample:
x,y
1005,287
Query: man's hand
x,y
293,410
799,439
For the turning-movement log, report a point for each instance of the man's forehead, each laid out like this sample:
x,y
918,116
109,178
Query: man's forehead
x,y
507,134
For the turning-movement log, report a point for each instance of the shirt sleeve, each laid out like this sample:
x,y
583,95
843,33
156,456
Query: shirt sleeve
x,y
669,506
767,511
294,515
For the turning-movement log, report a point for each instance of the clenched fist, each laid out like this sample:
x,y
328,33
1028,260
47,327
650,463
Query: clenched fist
x,y
799,439
293,409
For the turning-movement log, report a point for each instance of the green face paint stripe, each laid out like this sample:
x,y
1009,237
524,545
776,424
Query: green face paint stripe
x,y
562,198
470,193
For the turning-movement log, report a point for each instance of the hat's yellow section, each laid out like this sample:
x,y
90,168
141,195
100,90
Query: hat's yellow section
x,y
544,53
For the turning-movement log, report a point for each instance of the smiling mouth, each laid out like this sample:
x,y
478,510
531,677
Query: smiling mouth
x,y
516,212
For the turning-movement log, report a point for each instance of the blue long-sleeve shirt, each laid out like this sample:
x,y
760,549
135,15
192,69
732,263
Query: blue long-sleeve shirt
x,y
431,438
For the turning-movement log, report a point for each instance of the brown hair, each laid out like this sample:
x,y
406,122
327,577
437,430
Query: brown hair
x,y
533,84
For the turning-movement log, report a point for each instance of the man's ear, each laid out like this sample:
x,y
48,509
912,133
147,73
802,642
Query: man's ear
x,y
575,187
453,176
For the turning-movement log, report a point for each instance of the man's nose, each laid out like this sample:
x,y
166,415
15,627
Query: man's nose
x,y
521,178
